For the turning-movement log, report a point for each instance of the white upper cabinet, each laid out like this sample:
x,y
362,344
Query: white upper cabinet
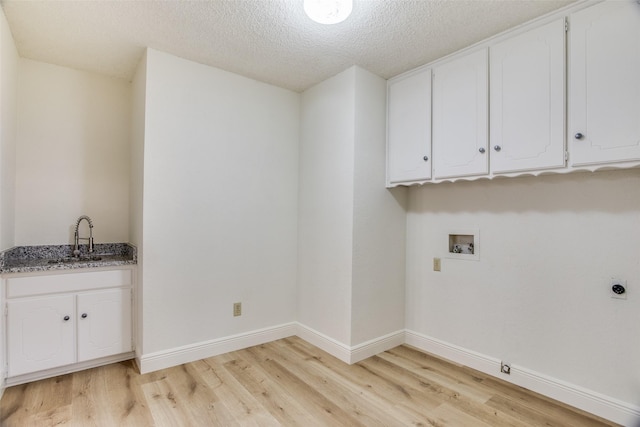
x,y
409,129
527,105
604,83
460,116
540,98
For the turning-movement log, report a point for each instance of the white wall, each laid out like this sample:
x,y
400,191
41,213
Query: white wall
x,y
8,112
136,189
352,230
539,295
379,221
72,154
326,207
220,203
8,108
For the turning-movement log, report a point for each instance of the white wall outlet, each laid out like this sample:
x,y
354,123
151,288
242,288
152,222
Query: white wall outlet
x,y
237,309
505,368
618,288
437,265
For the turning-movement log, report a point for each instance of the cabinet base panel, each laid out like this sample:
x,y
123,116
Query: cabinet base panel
x,y
62,370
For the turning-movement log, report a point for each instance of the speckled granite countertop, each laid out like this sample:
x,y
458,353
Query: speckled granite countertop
x,y
27,259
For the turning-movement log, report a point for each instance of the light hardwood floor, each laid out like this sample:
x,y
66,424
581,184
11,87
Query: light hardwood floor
x,y
286,383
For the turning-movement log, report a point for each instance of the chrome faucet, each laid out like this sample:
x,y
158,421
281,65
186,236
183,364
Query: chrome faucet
x,y
76,249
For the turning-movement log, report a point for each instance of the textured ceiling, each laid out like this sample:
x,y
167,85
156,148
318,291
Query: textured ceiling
x,y
268,40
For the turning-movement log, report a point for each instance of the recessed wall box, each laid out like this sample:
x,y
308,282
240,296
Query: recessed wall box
x,y
463,244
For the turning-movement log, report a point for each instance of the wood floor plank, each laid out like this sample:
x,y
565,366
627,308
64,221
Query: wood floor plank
x,y
54,416
462,382
160,398
365,379
281,405
435,367
127,404
87,408
360,403
533,411
245,409
538,409
108,395
288,382
378,393
181,398
451,415
41,399
201,400
322,408
455,395
15,405
464,385
409,381
412,385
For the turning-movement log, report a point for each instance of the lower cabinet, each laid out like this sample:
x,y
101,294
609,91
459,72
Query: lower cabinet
x,y
103,323
77,324
40,333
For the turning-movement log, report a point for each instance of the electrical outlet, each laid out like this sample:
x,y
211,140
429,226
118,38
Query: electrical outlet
x,y
436,264
505,368
237,309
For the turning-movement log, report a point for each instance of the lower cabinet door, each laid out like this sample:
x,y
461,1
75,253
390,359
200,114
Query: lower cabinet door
x,y
40,333
104,323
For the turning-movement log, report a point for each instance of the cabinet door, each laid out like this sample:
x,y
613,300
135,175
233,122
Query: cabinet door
x,y
104,323
409,124
527,100
604,83
460,116
40,333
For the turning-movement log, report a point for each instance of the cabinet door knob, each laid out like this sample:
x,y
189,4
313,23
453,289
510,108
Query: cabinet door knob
x,y
481,150
84,315
497,148
66,318
579,135
425,158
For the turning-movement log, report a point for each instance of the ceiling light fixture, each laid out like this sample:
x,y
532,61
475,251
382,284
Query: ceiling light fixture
x,y
328,11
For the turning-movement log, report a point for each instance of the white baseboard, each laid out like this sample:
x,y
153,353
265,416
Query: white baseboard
x,y
190,353
453,353
350,354
603,406
377,345
607,407
323,342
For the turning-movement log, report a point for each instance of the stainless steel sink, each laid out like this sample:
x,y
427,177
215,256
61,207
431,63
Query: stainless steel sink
x,y
68,260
